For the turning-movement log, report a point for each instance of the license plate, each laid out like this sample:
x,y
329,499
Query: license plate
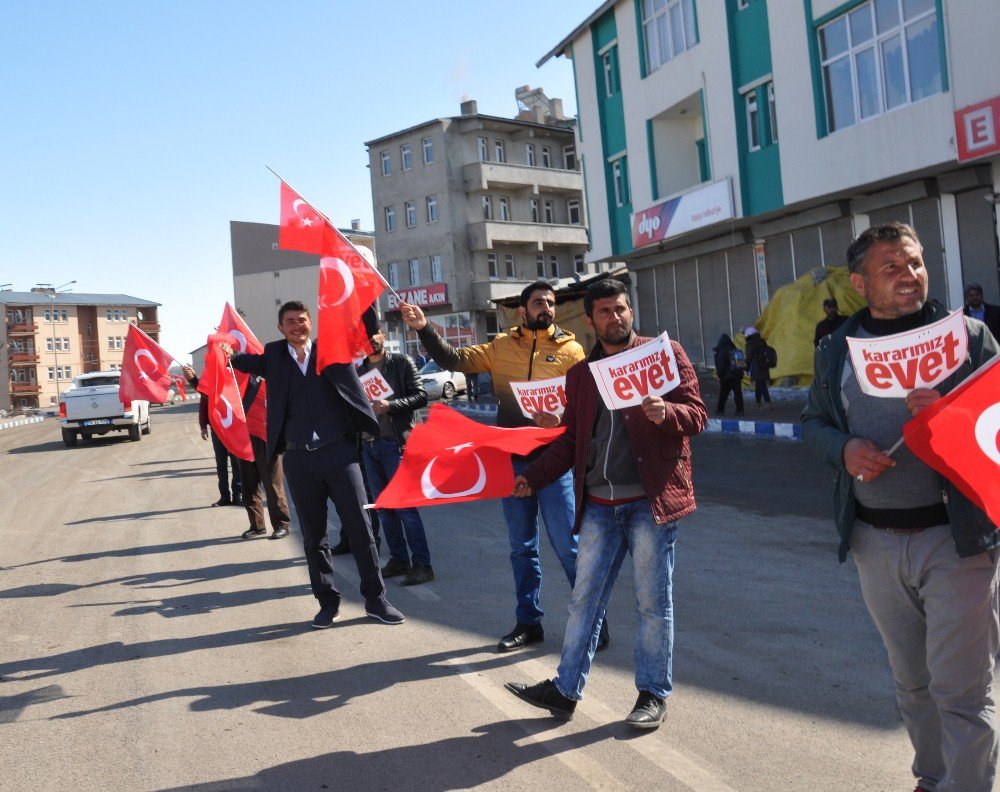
x,y
98,422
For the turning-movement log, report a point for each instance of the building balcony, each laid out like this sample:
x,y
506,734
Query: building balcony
x,y
152,329
22,328
481,176
25,387
487,234
23,358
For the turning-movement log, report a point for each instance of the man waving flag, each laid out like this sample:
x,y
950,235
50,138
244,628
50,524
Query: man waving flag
x,y
145,369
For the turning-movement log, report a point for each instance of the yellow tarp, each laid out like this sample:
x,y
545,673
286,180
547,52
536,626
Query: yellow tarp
x,y
789,321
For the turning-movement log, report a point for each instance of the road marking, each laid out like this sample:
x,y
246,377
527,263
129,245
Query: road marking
x,y
687,771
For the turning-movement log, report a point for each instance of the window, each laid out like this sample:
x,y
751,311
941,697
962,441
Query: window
x,y
554,266
65,316
503,206
411,214
436,276
386,163
569,157
529,154
499,154
753,120
619,175
668,29
119,342
428,146
124,314
390,218
394,274
492,326
414,267
549,214
67,373
578,265
508,261
65,344
546,157
879,56
108,314
405,157
741,4
573,211
432,209
48,315
111,343
772,115
540,265
491,265
52,373
48,345
483,145
534,210
118,315
610,68
487,208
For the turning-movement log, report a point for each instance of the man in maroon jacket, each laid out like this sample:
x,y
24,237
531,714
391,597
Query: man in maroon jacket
x,y
632,479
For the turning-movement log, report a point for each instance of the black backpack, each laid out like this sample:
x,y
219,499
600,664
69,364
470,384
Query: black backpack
x,y
770,356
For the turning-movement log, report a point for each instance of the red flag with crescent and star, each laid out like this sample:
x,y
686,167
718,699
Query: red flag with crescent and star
x,y
225,409
301,226
451,459
959,436
181,384
145,369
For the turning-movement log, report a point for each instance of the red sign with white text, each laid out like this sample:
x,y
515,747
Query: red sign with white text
x,y
977,130
430,296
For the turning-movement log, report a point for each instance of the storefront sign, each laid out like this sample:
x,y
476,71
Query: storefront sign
x,y
698,208
430,296
977,130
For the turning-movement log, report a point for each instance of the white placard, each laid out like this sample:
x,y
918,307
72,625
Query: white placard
x,y
541,396
375,386
626,379
891,366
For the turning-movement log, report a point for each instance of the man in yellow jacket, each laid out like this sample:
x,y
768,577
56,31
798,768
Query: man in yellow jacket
x,y
536,349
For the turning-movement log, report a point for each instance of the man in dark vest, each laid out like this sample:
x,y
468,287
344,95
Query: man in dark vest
x,y
316,418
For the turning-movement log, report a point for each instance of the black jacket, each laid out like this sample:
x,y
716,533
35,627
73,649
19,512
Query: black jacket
x,y
408,392
991,318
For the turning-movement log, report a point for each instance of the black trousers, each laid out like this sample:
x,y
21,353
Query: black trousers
x,y
257,472
332,472
223,459
734,386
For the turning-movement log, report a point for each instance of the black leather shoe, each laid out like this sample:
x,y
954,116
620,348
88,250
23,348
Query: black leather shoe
x,y
418,574
605,637
522,635
382,611
341,548
648,712
546,696
394,568
279,533
223,502
328,614
251,533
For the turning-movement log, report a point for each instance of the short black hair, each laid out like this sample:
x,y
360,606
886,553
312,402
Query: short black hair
x,y
830,302
531,288
598,290
887,232
291,305
973,287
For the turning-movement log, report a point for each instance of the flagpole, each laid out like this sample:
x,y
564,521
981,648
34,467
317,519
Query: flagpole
x,y
331,224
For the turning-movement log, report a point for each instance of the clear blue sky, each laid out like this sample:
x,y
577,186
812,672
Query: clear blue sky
x,y
132,132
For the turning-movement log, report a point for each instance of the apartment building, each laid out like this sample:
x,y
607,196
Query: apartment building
x,y
47,338
732,146
474,207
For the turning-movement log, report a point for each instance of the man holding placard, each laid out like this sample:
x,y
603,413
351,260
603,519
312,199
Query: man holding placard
x,y
393,387
926,556
536,350
630,410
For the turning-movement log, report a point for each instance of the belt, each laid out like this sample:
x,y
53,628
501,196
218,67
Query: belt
x,y
898,531
313,446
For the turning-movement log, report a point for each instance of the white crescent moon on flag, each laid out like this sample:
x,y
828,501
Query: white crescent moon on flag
x,y
242,339
144,353
431,492
227,419
296,204
332,263
988,432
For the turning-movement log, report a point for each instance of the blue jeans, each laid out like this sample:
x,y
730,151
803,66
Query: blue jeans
x,y
606,533
521,515
402,527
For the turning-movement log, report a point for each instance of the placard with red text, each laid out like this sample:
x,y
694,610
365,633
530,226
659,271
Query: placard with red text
x,y
376,388
541,396
626,379
892,366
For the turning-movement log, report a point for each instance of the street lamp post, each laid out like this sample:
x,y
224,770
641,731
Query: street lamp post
x,y
55,348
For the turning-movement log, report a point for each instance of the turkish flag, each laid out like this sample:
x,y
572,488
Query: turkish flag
x,y
959,436
301,226
232,324
145,365
348,285
225,409
257,414
181,384
451,459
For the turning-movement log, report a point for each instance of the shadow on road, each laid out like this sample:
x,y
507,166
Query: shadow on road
x,y
162,474
200,604
130,552
11,707
136,515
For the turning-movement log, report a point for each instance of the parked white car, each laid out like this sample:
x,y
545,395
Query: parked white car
x,y
441,384
91,407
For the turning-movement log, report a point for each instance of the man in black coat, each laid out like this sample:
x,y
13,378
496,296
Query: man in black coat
x,y
316,419
988,314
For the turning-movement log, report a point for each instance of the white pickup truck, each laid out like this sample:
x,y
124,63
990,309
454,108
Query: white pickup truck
x,y
91,407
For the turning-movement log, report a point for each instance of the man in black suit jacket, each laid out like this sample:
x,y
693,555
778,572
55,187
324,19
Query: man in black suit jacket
x,y
316,420
984,312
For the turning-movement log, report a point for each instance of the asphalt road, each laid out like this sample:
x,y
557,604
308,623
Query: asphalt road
x,y
145,647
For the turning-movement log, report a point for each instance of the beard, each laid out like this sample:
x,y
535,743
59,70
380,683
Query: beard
x,y
541,322
617,335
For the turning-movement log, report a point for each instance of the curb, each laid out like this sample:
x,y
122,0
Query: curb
x,y
21,422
